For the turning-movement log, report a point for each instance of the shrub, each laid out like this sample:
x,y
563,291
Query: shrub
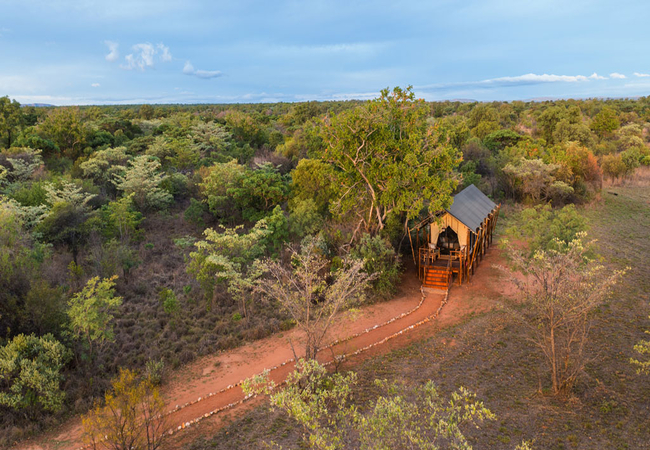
x,y
143,178
194,213
305,219
544,228
379,257
132,418
30,368
169,301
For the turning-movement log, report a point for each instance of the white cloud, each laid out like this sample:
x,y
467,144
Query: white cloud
x,y
617,75
166,56
519,80
189,69
113,51
95,85
535,78
144,55
641,75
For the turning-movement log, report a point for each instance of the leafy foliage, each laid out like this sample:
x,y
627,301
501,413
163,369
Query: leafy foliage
x,y
643,349
545,228
380,260
91,311
132,416
142,179
229,258
30,373
388,161
402,418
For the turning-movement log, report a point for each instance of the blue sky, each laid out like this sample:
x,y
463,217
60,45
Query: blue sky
x,y
95,52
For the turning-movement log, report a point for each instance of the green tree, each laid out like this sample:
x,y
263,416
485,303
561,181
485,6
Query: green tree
x,y
259,191
91,311
123,218
501,139
312,179
217,180
402,418
20,260
104,165
66,224
64,127
11,119
142,179
545,228
30,373
483,120
388,161
305,218
605,122
613,166
549,119
212,140
228,258
20,163
69,193
246,129
380,260
535,179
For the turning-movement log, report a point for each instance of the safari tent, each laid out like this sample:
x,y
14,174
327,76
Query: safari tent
x,y
452,242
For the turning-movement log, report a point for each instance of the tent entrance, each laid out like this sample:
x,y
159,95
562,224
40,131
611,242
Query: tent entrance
x,y
448,241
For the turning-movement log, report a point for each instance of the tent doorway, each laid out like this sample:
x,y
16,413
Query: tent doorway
x,y
448,241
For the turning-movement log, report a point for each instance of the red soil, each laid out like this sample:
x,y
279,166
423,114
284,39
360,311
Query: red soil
x,y
214,373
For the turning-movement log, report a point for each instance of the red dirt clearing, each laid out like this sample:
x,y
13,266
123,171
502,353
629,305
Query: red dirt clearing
x,y
217,372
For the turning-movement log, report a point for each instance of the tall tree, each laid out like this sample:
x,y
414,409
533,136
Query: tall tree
x,y
66,129
11,119
388,161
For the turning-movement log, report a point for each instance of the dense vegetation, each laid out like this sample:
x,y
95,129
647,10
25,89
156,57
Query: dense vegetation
x,y
130,235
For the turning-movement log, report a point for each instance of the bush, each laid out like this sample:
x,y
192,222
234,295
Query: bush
x,y
30,368
133,416
194,213
379,258
545,228
169,301
305,219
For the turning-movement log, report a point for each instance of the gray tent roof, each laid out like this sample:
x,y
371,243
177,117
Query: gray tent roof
x,y
471,207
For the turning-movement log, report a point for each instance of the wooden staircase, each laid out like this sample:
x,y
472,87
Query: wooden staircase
x,y
437,278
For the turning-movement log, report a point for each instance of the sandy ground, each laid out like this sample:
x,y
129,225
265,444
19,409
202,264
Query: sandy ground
x,y
216,372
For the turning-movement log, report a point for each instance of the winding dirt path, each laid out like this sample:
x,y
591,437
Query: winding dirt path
x,y
214,379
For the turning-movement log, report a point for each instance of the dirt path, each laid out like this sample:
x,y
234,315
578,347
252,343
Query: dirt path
x,y
211,383
210,379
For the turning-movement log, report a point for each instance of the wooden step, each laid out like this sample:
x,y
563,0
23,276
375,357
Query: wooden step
x,y
437,278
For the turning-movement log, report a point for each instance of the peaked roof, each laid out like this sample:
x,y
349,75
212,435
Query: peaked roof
x,y
471,207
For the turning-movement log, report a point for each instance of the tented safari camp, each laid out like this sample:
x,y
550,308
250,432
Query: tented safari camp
x,y
451,243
